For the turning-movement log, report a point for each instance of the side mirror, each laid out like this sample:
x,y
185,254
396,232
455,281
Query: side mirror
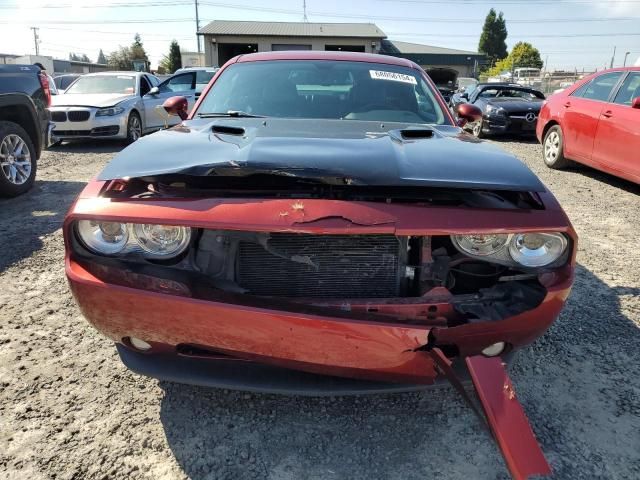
x,y
154,91
468,113
177,106
464,95
635,103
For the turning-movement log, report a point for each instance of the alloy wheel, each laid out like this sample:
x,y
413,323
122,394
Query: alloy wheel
x,y
15,159
135,129
552,147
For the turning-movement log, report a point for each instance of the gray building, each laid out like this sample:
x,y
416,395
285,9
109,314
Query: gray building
x,y
224,39
465,62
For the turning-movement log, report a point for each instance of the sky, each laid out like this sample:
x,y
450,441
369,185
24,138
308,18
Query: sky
x,y
570,34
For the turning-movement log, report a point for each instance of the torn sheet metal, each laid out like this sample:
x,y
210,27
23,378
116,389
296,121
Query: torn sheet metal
x,y
507,419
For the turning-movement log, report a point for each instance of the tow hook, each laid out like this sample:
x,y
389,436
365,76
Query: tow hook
x,y
500,412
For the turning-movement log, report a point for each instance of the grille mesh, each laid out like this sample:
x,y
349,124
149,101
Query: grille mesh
x,y
59,116
78,115
326,266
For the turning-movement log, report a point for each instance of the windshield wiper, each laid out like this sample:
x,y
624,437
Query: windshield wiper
x,y
229,113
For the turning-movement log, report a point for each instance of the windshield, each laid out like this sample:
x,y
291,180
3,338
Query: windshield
x,y
511,93
325,89
122,84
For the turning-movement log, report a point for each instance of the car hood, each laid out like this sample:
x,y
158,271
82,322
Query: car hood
x,y
88,99
359,152
516,105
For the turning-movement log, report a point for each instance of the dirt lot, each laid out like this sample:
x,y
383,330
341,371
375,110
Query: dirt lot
x,y
70,410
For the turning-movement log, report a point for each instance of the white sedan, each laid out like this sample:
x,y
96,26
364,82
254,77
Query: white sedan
x,y
118,105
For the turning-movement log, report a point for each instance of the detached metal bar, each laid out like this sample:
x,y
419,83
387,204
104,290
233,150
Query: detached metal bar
x,y
506,418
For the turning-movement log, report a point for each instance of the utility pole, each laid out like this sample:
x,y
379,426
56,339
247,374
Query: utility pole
x,y
197,28
36,39
613,58
304,10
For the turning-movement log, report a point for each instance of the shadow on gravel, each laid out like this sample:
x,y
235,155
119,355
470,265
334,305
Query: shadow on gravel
x,y
105,146
603,177
24,220
577,391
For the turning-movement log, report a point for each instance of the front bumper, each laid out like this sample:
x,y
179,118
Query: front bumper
x,y
94,127
494,125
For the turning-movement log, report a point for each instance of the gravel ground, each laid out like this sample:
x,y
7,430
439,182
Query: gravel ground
x,y
70,410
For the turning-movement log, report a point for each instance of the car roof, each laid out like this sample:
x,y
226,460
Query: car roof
x,y
323,55
196,69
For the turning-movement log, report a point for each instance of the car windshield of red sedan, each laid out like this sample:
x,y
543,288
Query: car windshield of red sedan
x,y
325,90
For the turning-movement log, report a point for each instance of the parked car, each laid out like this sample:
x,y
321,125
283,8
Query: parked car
x,y
107,105
464,82
62,82
203,76
314,236
445,79
24,125
506,109
595,122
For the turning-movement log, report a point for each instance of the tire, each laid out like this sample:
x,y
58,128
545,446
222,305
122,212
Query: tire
x,y
17,160
134,128
476,129
553,149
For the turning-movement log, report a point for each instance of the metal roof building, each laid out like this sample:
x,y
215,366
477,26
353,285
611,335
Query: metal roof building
x,y
224,39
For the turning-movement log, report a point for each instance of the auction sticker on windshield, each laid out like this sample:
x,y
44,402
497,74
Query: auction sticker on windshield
x,y
393,76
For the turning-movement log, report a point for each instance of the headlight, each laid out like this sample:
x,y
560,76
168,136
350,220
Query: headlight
x,y
532,250
537,249
162,240
109,112
107,238
150,240
492,110
481,245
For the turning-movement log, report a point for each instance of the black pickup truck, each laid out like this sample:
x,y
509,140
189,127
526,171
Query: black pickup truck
x,y
25,126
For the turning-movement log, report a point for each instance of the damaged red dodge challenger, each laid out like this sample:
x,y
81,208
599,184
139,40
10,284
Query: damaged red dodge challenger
x,y
320,224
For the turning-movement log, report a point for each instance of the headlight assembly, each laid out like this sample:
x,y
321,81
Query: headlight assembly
x,y
531,250
150,240
537,249
109,112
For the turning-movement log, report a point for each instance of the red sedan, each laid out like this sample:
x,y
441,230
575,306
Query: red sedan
x,y
595,122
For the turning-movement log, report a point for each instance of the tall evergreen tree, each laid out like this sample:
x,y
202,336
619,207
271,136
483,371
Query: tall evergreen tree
x,y
492,41
101,57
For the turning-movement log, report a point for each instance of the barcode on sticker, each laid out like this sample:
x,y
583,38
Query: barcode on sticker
x,y
393,76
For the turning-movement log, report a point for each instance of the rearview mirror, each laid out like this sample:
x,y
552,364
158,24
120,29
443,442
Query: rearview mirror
x,y
177,106
635,103
154,91
468,112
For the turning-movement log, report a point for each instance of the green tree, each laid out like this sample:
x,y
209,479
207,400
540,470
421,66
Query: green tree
x,y
493,38
173,61
523,54
137,49
120,59
101,57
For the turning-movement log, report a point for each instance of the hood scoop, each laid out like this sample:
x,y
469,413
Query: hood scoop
x,y
411,134
228,130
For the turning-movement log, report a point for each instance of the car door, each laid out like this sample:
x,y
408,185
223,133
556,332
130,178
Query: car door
x,y
581,114
617,144
183,84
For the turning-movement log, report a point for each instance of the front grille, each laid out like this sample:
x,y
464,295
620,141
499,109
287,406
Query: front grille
x,y
78,115
59,116
327,266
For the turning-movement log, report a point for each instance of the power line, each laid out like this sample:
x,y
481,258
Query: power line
x,y
560,35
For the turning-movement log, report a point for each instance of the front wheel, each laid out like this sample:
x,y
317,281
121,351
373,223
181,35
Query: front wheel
x,y
553,149
476,129
17,160
134,127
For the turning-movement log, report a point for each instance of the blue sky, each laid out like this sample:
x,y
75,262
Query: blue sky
x,y
571,33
